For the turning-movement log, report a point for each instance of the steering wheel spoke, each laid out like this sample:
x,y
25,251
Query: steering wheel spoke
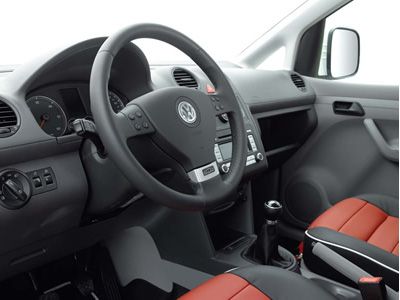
x,y
133,122
220,104
212,187
207,179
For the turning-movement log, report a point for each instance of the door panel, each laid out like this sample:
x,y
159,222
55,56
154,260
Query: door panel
x,y
343,158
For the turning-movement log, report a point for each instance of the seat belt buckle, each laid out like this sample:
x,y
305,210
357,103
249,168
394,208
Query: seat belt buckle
x,y
372,288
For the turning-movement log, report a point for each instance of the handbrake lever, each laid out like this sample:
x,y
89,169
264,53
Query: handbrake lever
x,y
346,267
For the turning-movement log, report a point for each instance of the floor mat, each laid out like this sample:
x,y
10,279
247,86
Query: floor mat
x,y
70,278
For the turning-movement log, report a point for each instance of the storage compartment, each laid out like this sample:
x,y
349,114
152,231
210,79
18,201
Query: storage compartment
x,y
229,228
282,133
222,236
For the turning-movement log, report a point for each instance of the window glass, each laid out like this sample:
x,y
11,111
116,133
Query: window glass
x,y
223,28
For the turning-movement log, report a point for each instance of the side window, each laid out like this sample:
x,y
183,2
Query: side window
x,y
375,23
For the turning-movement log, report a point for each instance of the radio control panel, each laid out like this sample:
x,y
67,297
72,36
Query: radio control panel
x,y
223,152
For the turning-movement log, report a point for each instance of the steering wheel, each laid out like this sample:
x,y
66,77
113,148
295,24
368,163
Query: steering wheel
x,y
179,120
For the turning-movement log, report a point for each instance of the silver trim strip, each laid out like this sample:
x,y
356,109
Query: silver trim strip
x,y
197,175
57,287
352,250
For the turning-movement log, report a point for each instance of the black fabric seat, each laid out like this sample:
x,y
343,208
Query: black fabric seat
x,y
258,283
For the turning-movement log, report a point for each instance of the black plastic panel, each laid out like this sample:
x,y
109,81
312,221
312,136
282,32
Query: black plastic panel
x,y
47,213
284,132
341,159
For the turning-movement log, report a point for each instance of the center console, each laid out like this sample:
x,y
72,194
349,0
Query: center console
x,y
256,160
223,152
232,236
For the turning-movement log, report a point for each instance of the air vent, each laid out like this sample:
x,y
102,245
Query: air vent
x,y
298,82
8,120
184,78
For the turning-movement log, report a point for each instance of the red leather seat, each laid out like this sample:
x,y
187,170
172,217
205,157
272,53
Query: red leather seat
x,y
225,286
257,283
363,229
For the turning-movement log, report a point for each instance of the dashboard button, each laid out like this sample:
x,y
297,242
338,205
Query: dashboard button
x,y
48,179
225,168
259,156
37,182
210,89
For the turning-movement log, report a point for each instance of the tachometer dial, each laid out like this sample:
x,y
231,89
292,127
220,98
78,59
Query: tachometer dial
x,y
116,102
48,114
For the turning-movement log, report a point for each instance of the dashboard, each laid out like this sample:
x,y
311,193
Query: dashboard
x,y
63,178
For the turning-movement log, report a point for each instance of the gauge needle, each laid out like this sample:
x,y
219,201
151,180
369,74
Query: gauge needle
x,y
43,119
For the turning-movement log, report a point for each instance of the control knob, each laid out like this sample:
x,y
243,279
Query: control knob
x,y
259,156
225,168
15,189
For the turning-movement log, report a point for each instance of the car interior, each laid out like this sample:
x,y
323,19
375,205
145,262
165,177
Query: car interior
x,y
120,179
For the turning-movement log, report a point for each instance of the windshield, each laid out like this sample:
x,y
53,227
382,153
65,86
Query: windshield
x,y
222,28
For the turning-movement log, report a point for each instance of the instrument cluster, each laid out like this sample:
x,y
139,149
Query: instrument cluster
x,y
55,111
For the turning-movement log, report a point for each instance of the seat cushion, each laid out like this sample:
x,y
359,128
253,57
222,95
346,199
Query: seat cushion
x,y
364,221
365,230
225,286
257,283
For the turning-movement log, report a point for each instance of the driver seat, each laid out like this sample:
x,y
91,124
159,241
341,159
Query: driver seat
x,y
257,283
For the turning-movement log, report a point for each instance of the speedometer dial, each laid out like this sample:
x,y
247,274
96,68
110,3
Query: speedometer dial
x,y
48,114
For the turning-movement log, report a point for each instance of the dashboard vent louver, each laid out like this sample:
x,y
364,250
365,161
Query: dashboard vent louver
x,y
8,120
184,78
298,82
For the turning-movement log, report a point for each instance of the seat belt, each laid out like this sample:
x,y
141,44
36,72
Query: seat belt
x,y
346,267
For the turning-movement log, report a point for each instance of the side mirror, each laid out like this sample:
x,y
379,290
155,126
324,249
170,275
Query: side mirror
x,y
343,53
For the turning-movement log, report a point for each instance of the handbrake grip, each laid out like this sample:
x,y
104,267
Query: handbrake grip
x,y
346,267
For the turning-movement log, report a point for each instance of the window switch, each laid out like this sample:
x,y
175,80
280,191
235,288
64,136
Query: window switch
x,y
37,182
48,179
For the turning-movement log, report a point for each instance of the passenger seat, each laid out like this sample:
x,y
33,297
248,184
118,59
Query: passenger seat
x,y
363,229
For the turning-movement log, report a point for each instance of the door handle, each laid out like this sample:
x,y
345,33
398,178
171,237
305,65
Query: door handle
x,y
390,152
348,108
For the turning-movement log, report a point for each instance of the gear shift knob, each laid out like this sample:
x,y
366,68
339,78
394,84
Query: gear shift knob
x,y
273,210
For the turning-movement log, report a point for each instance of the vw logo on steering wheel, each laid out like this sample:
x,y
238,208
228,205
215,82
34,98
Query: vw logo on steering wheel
x,y
187,112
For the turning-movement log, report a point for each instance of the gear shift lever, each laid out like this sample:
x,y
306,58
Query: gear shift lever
x,y
273,211
267,242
